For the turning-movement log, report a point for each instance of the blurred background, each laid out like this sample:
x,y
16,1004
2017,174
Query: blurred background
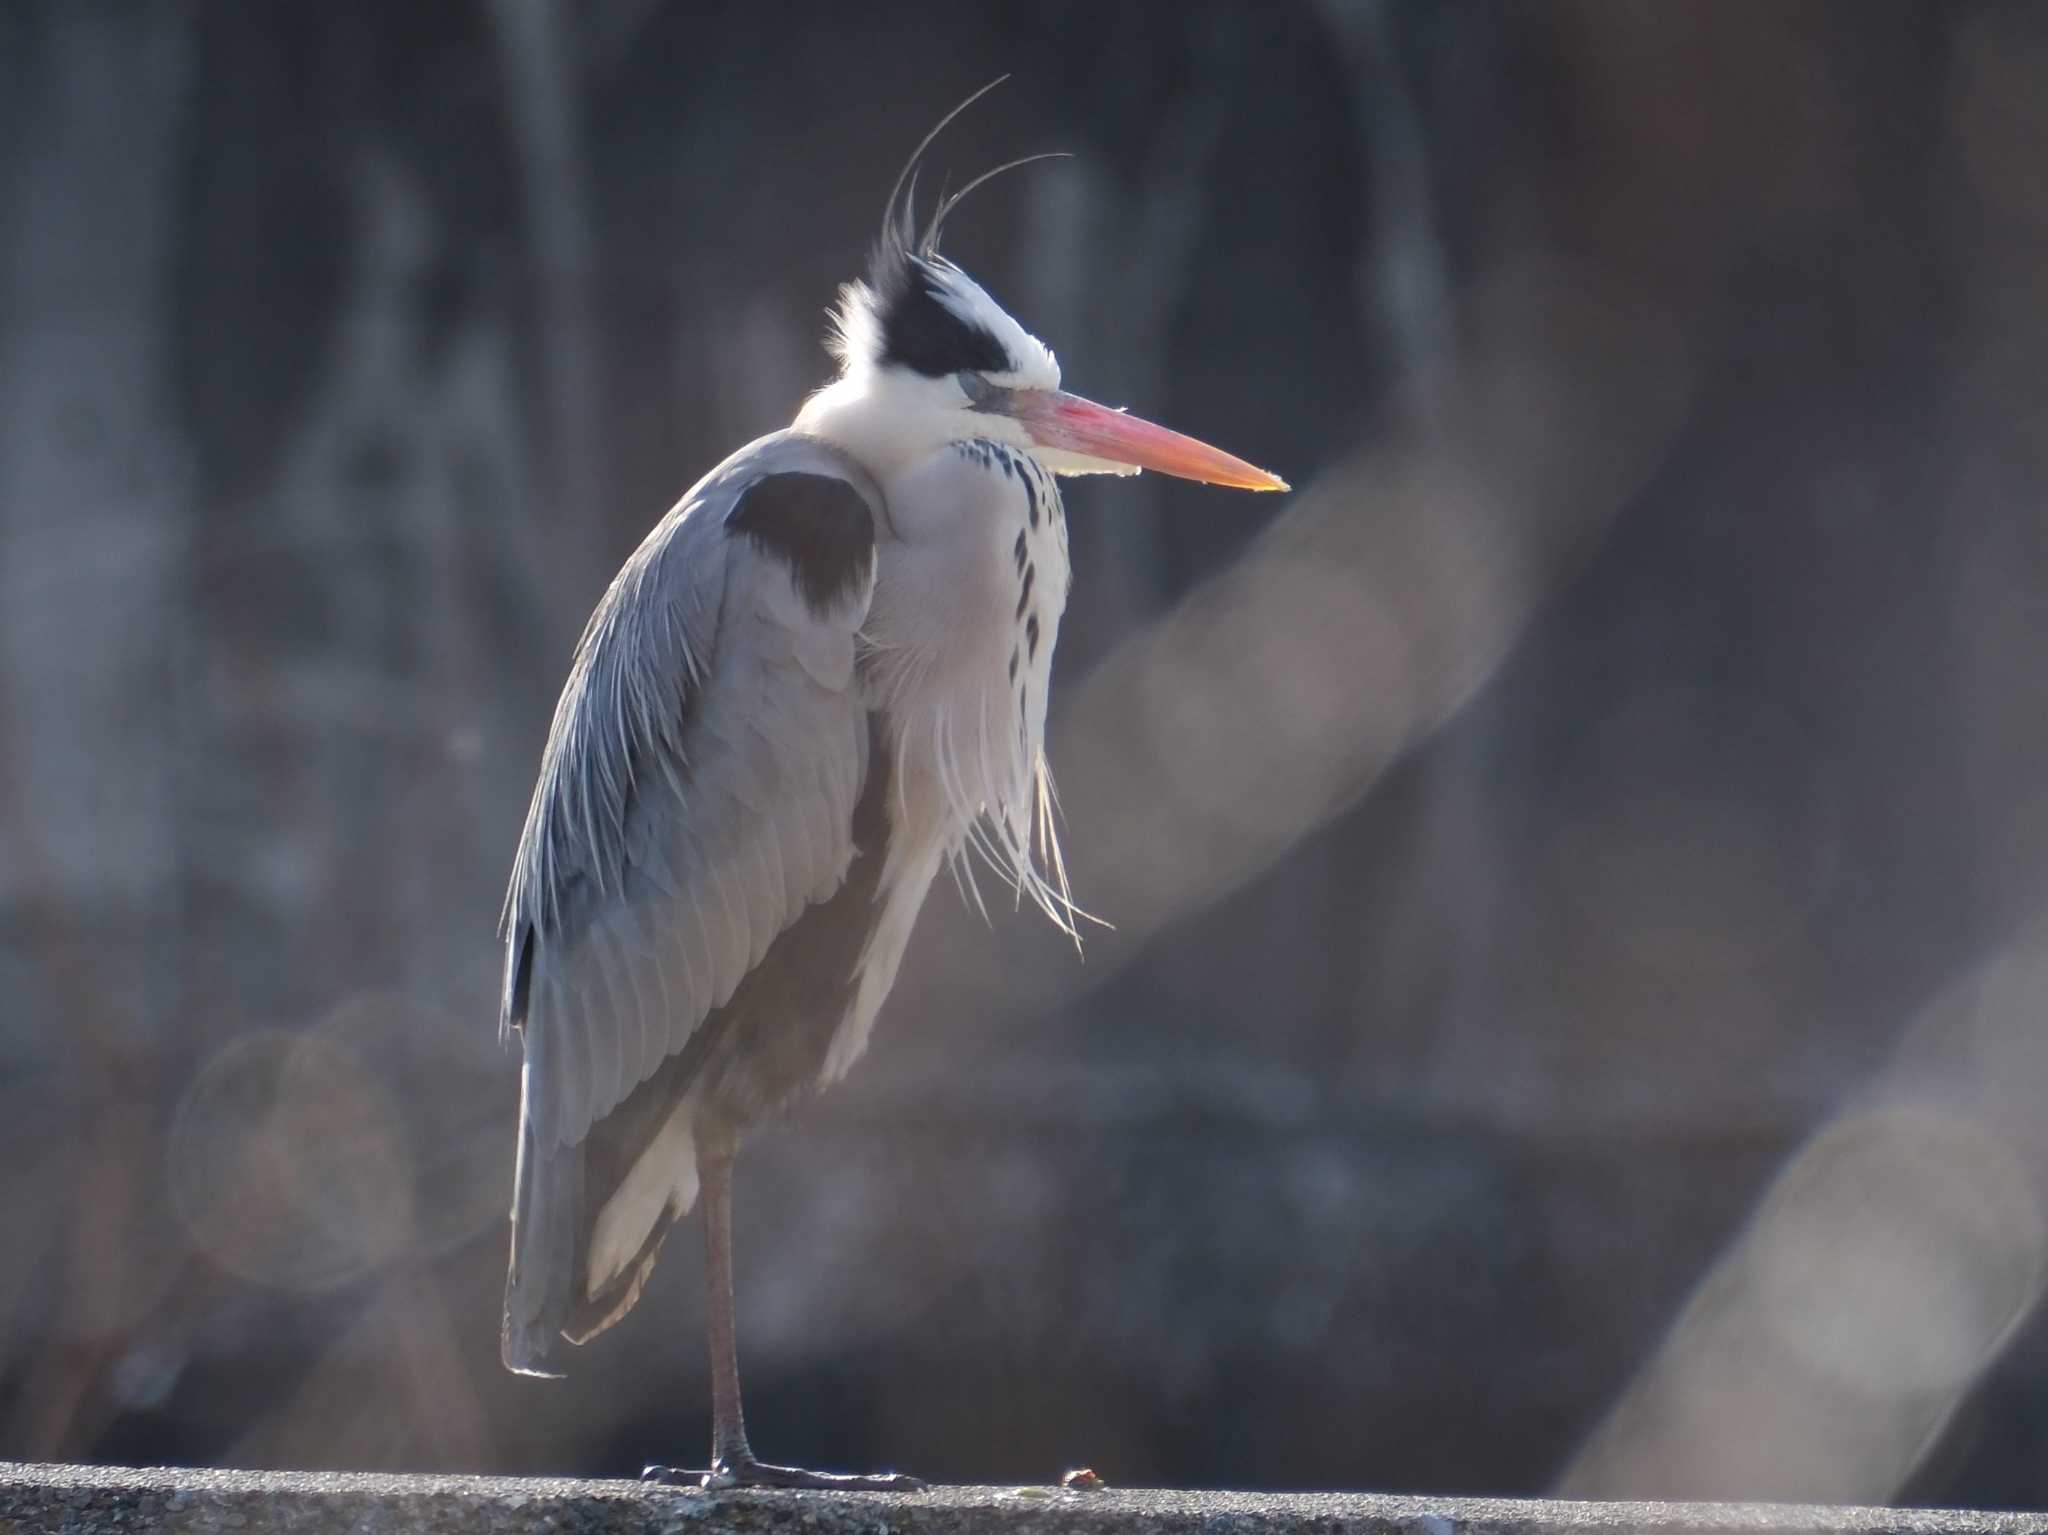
x,y
1579,865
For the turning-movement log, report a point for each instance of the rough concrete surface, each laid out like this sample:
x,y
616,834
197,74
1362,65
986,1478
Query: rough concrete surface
x,y
79,1500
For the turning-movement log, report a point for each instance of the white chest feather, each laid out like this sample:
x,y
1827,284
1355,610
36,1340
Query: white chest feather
x,y
972,580
963,626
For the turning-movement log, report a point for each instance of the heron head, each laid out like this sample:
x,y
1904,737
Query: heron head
x,y
927,357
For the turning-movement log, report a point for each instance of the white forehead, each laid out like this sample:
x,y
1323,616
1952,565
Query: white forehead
x,y
1037,367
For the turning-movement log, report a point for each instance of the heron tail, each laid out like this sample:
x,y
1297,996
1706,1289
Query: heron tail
x,y
547,1229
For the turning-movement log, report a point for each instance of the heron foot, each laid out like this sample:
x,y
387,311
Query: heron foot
x,y
749,1472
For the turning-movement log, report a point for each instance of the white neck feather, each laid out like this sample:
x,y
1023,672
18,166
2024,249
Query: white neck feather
x,y
890,419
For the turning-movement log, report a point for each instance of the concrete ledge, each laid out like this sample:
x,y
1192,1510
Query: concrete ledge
x,y
79,1500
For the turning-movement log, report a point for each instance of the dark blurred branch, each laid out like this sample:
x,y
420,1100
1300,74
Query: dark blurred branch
x,y
543,93
93,503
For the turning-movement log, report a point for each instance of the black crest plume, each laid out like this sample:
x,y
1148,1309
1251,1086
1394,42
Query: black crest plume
x,y
900,236
899,215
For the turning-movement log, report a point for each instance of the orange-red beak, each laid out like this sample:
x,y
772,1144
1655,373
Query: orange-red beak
x,y
1069,424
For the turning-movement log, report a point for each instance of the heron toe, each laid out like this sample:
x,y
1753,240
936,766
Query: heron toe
x,y
657,1475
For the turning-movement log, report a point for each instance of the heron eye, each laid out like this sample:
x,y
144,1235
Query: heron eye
x,y
974,386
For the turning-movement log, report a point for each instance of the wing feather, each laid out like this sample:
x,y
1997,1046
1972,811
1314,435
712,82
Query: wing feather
x,y
665,953
728,923
629,969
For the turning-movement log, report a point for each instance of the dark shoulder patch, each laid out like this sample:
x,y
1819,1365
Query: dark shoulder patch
x,y
919,332
818,526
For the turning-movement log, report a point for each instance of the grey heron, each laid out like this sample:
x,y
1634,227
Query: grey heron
x,y
820,678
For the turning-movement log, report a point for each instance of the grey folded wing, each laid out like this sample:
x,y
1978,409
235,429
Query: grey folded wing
x,y
699,783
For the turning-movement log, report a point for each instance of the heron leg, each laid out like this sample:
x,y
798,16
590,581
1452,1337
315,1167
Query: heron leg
x,y
733,1463
715,1150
